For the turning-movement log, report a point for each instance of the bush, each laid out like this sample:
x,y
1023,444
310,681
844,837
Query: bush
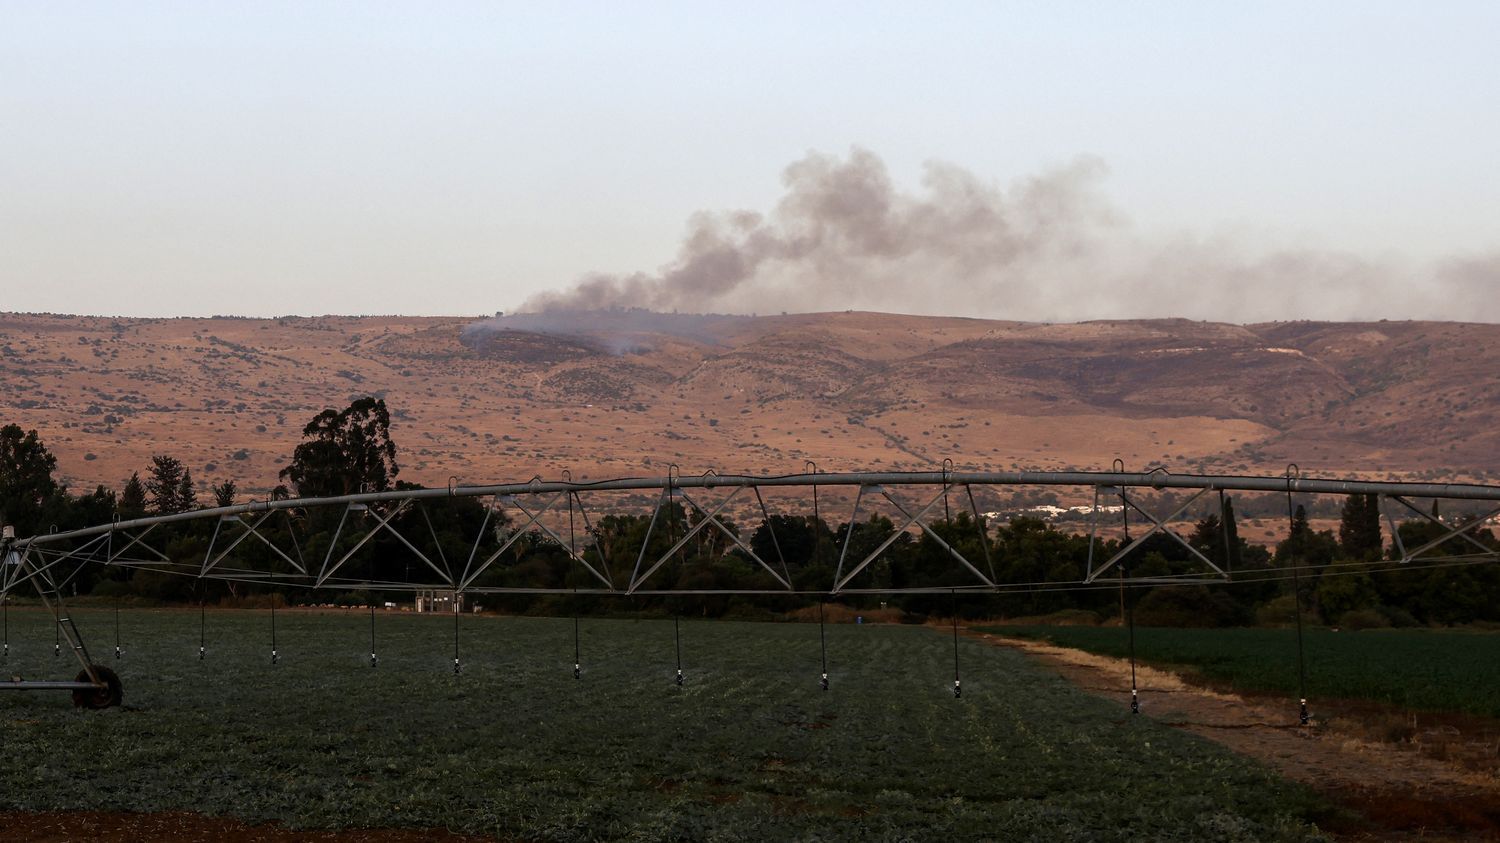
x,y
111,588
1193,606
1065,617
1280,611
1357,619
1399,617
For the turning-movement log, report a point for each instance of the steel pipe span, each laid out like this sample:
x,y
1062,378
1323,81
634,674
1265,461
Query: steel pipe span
x,y
1157,479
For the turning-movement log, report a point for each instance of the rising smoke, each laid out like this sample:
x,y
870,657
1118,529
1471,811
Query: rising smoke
x,y
1050,247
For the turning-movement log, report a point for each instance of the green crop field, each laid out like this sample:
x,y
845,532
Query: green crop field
x,y
749,748
1428,670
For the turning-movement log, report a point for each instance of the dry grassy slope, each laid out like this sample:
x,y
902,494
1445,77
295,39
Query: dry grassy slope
x,y
849,390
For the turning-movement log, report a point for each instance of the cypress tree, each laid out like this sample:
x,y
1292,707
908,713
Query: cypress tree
x,y
1359,528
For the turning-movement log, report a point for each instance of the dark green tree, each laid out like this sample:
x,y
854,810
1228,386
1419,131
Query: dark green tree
x,y
164,485
345,451
1232,528
224,493
1359,528
133,497
187,498
26,484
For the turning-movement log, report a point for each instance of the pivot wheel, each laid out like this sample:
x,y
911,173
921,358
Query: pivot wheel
x,y
106,697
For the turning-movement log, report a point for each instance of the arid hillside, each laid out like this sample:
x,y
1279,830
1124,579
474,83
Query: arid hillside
x,y
848,390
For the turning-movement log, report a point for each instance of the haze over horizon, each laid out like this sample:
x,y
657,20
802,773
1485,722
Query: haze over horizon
x,y
1055,163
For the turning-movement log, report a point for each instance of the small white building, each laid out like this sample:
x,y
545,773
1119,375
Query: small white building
x,y
439,600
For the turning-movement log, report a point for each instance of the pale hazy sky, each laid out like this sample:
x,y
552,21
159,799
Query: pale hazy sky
x,y
459,158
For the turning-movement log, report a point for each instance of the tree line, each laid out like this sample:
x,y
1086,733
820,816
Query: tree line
x,y
1348,577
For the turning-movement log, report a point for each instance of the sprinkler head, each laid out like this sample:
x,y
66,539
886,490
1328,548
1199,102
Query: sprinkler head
x,y
577,671
824,682
117,652
274,657
374,662
456,668
958,690
1304,717
200,654
679,678
1135,702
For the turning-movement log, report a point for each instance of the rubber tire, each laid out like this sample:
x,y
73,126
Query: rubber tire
x,y
106,697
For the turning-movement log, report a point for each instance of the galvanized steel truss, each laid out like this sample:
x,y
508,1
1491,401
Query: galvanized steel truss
x,y
50,561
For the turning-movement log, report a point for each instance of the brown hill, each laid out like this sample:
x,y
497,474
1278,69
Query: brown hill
x,y
849,390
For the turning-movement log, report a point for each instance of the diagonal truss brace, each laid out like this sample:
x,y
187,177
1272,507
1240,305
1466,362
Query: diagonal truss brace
x,y
381,522
932,534
1158,525
765,515
40,571
568,546
712,518
514,537
1460,532
838,574
687,536
250,530
54,602
137,540
889,540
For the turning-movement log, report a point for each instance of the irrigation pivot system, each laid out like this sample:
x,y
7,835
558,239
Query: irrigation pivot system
x,y
682,509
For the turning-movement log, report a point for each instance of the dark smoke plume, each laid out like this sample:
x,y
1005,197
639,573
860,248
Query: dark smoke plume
x,y
1047,248
843,236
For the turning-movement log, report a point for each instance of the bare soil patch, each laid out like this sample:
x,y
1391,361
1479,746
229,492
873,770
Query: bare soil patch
x,y
1392,789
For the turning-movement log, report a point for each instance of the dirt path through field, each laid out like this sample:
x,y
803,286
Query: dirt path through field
x,y
1396,793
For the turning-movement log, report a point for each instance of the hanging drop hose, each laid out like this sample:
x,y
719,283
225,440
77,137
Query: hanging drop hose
x,y
5,610
456,667
274,657
1302,715
374,659
957,689
1135,700
672,539
677,633
57,626
117,629
823,642
202,624
573,549
817,519
1127,609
